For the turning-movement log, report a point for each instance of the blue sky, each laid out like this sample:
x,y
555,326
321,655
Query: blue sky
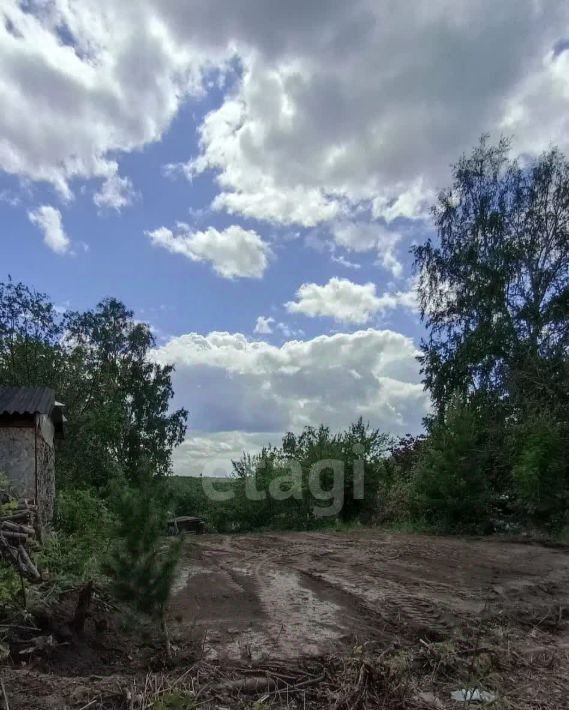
x,y
113,256
250,182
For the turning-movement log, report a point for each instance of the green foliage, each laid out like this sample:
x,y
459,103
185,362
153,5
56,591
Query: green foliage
x,y
176,700
494,295
274,489
541,470
451,483
312,476
141,565
82,512
30,337
116,397
396,482
118,424
10,588
83,529
494,289
125,420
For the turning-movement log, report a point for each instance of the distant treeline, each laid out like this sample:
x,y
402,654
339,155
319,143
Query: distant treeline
x,y
493,288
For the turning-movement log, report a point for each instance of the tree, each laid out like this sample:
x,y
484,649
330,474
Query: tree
x,y
99,362
451,480
494,287
140,565
541,470
122,408
363,451
307,473
30,337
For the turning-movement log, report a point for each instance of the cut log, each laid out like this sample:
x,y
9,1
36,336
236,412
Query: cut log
x,y
31,570
16,515
14,537
17,530
16,527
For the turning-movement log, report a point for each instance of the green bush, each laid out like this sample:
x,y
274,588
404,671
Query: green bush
x,y
541,471
450,485
395,493
395,500
83,529
140,565
10,588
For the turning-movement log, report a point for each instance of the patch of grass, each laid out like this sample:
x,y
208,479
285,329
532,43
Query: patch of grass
x,y
10,587
411,527
343,525
562,536
176,700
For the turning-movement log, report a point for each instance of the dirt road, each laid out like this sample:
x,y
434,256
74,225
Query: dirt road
x,y
297,594
316,620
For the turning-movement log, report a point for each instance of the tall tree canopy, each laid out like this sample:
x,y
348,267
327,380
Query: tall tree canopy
x,y
99,363
494,285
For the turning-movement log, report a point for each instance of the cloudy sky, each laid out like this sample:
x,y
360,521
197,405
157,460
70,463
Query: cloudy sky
x,y
248,176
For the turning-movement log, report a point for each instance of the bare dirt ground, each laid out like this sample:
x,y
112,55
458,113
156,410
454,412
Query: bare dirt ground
x,y
290,595
362,619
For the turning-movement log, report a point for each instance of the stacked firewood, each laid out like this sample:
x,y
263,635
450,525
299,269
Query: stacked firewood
x,y
18,522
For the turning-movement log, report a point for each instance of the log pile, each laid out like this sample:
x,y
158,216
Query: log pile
x,y
18,523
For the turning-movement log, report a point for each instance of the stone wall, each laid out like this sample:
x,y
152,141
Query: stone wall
x,y
18,459
19,447
46,471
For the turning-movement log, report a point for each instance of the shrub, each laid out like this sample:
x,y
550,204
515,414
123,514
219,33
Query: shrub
x,y
83,528
140,564
396,480
451,484
541,471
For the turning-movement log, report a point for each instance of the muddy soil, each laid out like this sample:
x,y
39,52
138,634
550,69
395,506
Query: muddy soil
x,y
359,619
296,594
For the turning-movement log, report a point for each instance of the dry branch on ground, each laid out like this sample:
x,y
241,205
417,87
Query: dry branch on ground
x,y
18,526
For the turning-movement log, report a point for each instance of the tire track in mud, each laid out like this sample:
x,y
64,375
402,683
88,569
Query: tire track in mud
x,y
394,612
295,594
256,600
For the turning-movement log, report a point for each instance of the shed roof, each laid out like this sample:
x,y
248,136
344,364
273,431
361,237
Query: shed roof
x,y
26,400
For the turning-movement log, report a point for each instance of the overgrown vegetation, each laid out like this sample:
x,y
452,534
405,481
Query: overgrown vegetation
x,y
493,288
140,565
111,467
494,295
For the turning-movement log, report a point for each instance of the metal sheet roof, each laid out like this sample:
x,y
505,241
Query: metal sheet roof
x,y
26,400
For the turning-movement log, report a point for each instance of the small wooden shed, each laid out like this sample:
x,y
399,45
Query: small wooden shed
x,y
30,421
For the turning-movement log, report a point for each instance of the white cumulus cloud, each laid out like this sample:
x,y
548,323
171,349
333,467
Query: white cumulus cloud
x,y
115,193
340,299
48,219
233,252
333,103
365,237
234,386
349,302
81,80
264,325
367,101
